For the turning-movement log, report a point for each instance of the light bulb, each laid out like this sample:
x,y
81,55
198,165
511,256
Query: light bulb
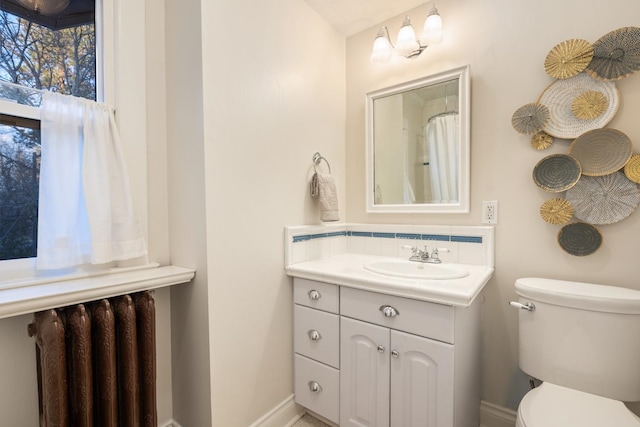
x,y
407,43
45,7
382,48
432,33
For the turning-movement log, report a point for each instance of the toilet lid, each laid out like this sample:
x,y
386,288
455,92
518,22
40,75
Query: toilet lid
x,y
554,406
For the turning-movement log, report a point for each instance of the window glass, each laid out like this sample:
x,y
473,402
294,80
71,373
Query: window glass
x,y
19,175
38,57
62,60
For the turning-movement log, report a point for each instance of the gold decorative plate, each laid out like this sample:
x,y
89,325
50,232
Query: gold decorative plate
x,y
556,211
568,58
556,173
589,105
601,151
632,168
541,140
579,238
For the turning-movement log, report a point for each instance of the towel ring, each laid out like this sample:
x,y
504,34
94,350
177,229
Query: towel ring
x,y
317,158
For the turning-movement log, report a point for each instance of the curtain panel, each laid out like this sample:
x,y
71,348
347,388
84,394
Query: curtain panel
x,y
86,213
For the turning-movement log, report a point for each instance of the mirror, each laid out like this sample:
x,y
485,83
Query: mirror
x,y
418,145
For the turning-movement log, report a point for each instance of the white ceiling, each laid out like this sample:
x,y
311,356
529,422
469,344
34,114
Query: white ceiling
x,y
352,16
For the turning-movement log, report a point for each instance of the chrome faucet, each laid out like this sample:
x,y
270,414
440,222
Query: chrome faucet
x,y
418,255
422,255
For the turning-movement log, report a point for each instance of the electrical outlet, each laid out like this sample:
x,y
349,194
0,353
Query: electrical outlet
x,y
490,212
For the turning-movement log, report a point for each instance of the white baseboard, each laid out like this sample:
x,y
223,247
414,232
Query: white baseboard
x,y
492,415
285,414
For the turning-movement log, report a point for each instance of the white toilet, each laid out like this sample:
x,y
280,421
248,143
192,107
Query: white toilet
x,y
583,342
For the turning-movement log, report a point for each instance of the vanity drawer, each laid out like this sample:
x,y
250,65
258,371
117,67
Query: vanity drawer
x,y
324,399
416,317
319,295
316,334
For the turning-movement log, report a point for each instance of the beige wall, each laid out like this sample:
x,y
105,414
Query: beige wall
x,y
505,42
253,90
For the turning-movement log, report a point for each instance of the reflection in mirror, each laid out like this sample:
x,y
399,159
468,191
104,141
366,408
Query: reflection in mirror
x,y
418,145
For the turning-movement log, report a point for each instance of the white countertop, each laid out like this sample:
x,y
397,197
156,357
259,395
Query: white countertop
x,y
348,270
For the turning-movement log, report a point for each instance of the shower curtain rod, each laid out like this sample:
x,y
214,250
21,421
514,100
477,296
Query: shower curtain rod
x,y
446,113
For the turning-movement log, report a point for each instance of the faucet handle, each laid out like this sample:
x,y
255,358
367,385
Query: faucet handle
x,y
413,249
436,251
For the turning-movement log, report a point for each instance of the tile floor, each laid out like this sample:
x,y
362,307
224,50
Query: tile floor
x,y
308,421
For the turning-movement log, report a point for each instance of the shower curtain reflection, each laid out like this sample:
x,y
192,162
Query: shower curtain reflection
x,y
441,140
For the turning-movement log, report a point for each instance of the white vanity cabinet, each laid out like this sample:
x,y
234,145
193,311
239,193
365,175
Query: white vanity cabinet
x,y
402,362
316,342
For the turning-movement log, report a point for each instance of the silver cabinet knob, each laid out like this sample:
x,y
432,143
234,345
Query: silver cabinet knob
x,y
314,335
395,354
314,295
388,311
381,349
314,387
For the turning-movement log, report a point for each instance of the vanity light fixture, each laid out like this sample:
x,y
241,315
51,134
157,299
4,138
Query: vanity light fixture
x,y
407,44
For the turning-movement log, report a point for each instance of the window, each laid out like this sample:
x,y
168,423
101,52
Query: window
x,y
43,51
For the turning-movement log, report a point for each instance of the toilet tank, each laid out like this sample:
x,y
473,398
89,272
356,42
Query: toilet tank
x,y
582,336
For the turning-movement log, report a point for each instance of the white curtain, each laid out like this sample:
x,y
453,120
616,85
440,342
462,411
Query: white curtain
x,y
442,135
86,213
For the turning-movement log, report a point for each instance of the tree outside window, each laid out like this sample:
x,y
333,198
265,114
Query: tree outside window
x,y
34,56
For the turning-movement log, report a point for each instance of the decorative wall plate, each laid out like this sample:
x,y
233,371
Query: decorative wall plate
x,y
589,105
556,173
541,140
530,118
568,58
556,211
632,168
601,151
616,54
560,96
579,238
604,199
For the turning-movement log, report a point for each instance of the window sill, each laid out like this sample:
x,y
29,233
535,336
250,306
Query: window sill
x,y
41,296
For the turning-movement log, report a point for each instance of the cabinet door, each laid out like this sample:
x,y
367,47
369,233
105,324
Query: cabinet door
x,y
364,374
421,382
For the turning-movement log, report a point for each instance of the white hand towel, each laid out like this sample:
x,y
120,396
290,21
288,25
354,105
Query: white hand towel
x,y
324,187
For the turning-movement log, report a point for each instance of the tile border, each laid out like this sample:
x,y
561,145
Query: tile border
x,y
387,235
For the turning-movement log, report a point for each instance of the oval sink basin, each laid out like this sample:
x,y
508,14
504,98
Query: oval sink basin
x,y
417,270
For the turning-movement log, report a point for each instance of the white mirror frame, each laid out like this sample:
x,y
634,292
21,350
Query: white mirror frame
x,y
464,108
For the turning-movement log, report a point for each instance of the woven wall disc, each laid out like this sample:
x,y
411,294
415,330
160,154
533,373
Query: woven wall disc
x,y
632,168
604,199
601,151
616,54
556,211
541,140
556,173
579,238
568,58
560,95
530,118
589,105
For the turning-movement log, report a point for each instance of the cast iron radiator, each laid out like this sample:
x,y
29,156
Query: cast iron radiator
x,y
96,363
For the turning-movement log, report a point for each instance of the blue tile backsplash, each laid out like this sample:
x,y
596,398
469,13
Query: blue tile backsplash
x,y
463,244
410,236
